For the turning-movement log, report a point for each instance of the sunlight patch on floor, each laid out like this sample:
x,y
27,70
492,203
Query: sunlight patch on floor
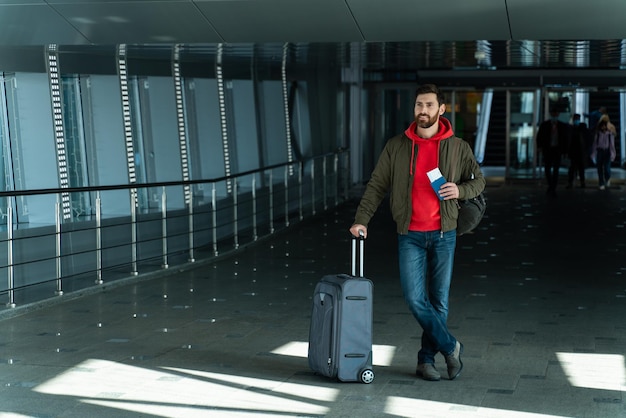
x,y
407,407
286,388
594,371
160,410
184,392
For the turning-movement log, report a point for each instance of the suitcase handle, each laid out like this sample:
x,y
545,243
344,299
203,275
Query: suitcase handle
x,y
358,259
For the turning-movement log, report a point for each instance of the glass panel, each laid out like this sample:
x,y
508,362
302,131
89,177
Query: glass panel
x,y
464,108
521,147
205,136
137,95
33,151
104,139
245,131
5,154
622,123
75,144
273,128
563,101
301,118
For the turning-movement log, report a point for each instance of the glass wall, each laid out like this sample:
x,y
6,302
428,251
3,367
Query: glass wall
x,y
241,112
521,150
464,109
247,129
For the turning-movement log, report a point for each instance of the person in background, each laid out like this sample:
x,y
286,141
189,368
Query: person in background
x,y
594,117
426,219
609,125
577,151
552,141
603,153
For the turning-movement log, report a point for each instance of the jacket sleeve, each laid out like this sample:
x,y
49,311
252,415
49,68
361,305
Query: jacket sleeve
x,y
540,136
472,182
376,189
612,147
594,147
565,137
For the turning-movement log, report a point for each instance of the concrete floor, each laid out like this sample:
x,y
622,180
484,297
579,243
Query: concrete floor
x,y
538,300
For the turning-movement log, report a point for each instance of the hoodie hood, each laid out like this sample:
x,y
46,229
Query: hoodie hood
x,y
444,131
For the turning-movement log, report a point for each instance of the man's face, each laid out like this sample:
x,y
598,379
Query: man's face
x,y
427,110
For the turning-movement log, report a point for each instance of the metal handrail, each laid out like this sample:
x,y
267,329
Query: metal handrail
x,y
206,228
30,192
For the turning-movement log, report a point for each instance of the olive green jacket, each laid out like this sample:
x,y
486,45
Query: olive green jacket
x,y
393,175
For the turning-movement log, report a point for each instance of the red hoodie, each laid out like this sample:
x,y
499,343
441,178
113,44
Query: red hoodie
x,y
426,215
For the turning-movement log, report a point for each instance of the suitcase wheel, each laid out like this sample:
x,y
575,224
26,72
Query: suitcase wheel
x,y
367,376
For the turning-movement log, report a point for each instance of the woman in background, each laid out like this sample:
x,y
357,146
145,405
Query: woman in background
x,y
603,153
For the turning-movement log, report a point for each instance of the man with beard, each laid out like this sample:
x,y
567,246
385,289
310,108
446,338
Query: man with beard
x,y
426,219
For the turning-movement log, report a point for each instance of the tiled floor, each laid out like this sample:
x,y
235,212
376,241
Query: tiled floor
x,y
538,299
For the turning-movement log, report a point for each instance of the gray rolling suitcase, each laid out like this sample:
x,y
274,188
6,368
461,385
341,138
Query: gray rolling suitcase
x,y
340,336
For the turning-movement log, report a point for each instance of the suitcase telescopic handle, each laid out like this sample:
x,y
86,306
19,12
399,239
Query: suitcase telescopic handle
x,y
358,259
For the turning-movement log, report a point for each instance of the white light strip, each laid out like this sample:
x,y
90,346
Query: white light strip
x,y
283,72
57,120
182,123
128,128
222,104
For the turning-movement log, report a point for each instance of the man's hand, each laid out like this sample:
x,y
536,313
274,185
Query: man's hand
x,y
358,229
449,191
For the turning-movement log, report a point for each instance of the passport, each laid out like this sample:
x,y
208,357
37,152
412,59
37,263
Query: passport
x,y
436,180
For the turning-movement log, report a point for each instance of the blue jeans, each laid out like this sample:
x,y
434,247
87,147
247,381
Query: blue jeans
x,y
426,260
603,158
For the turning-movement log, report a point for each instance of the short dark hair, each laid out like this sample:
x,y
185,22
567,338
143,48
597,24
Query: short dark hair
x,y
431,88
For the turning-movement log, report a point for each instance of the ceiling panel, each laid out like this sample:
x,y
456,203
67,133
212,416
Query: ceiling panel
x,y
281,20
394,35
261,21
110,1
451,20
139,22
35,25
22,3
567,19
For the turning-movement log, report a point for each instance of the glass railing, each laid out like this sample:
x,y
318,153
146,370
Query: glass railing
x,y
120,232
